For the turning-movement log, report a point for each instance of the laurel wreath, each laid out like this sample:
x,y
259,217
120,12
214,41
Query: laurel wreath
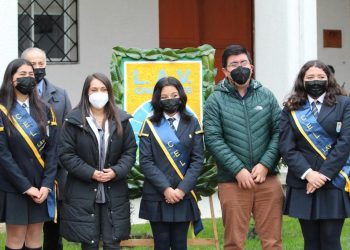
x,y
206,183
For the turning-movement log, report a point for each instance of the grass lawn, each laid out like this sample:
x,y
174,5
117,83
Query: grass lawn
x,y
292,239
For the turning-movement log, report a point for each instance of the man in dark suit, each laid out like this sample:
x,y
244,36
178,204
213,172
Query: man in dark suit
x,y
59,100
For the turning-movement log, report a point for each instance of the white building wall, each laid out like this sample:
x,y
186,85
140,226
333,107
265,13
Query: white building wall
x,y
285,38
9,34
101,26
335,14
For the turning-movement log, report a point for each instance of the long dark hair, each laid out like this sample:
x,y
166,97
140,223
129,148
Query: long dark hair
x,y
157,109
111,110
8,96
298,96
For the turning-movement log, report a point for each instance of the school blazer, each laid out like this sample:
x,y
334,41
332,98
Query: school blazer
x,y
299,155
158,172
19,168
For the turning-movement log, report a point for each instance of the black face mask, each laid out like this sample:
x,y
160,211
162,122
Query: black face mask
x,y
39,74
25,85
170,105
240,75
316,88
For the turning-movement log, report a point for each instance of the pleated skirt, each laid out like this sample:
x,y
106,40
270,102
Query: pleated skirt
x,y
20,209
324,203
160,211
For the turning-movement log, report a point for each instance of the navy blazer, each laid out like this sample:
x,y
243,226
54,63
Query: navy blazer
x,y
19,168
158,172
59,100
300,156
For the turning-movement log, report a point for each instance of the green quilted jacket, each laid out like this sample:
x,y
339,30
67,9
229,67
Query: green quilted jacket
x,y
242,132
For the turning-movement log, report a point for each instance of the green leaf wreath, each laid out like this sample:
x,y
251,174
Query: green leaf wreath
x,y
206,184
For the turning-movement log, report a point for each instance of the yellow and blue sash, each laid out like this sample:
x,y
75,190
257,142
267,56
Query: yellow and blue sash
x,y
320,141
178,157
29,130
51,202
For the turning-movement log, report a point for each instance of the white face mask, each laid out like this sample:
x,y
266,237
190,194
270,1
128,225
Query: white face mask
x,y
98,100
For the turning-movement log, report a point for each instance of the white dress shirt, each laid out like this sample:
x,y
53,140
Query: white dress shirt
x,y
318,101
26,102
177,119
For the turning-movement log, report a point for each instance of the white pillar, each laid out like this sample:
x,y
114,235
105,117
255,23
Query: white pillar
x,y
9,31
285,38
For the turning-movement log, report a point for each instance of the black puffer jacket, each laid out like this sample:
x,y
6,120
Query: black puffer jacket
x,y
78,152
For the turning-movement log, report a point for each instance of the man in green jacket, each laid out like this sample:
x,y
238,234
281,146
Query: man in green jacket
x,y
241,122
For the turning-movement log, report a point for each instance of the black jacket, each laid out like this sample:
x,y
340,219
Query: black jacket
x,y
299,155
78,152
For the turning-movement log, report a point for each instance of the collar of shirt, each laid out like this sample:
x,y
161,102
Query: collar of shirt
x,y
319,99
40,87
234,90
94,128
177,119
26,102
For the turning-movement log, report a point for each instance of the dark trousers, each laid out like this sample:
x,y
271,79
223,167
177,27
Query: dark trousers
x,y
321,234
170,235
103,227
52,238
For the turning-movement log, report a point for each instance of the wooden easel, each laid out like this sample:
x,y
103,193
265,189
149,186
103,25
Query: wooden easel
x,y
191,242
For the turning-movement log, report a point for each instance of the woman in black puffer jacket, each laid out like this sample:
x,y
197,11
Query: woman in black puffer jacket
x,y
98,149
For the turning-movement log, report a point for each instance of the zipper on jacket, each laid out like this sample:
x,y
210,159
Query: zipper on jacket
x,y
249,133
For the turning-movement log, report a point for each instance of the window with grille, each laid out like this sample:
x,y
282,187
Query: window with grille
x,y
50,25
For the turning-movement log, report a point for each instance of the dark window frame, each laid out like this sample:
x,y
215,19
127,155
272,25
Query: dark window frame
x,y
56,32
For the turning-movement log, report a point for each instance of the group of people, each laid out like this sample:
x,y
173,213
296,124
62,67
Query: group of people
x,y
246,132
64,170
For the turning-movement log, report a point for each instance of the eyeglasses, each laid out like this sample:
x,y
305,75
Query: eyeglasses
x,y
236,64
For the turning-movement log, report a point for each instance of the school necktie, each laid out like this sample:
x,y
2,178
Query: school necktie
x,y
25,107
171,122
314,108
